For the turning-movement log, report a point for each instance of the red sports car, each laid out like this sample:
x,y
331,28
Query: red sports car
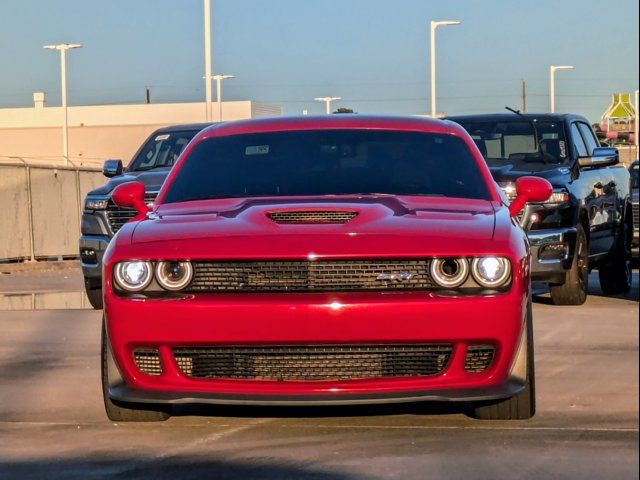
x,y
333,260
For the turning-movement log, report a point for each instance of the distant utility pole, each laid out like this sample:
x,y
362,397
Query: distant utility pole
x,y
148,94
207,58
327,101
63,47
524,96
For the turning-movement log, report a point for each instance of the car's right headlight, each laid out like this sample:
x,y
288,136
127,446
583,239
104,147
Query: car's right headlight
x,y
491,272
174,275
133,276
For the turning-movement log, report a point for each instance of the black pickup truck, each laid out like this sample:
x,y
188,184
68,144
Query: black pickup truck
x,y
588,221
101,218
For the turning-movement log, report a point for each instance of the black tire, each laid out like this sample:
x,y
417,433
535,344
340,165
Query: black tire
x,y
616,274
574,290
95,298
126,412
523,405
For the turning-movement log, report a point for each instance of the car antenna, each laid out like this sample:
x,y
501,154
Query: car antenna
x,y
535,131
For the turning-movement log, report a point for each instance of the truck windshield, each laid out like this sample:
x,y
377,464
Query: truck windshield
x,y
514,142
161,150
328,162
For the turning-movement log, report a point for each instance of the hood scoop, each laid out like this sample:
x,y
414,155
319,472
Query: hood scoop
x,y
312,217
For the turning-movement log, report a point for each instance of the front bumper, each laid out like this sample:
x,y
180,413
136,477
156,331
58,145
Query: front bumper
x,y
554,270
92,248
315,319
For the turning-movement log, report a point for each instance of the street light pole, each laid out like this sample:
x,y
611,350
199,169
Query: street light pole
x,y
219,79
327,101
63,47
432,43
207,58
637,127
552,80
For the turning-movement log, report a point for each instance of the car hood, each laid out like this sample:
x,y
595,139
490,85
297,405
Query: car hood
x,y
557,176
152,180
241,227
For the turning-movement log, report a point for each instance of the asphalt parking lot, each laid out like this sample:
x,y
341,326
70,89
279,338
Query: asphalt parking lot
x,y
52,423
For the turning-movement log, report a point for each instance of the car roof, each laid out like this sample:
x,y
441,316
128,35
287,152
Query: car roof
x,y
329,122
507,117
183,127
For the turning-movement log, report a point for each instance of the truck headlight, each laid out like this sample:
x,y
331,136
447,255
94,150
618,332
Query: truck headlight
x,y
95,203
134,275
174,275
557,197
491,272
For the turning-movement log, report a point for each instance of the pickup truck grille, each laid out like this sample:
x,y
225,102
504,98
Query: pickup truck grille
x,y
117,216
311,276
312,362
636,215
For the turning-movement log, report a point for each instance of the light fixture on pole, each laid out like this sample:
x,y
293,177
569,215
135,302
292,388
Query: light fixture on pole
x,y
63,47
552,80
219,79
327,101
207,59
432,41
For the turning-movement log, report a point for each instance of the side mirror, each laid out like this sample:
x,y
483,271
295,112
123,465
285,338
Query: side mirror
x,y
112,168
601,157
130,195
530,189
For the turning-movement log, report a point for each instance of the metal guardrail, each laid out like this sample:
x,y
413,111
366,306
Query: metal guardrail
x,y
41,209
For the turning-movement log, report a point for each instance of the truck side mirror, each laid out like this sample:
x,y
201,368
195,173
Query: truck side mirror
x,y
112,168
601,157
130,195
530,189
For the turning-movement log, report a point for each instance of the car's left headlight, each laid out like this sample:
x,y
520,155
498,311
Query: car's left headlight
x,y
491,272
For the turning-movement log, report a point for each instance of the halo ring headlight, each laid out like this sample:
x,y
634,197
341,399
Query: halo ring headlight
x,y
491,272
449,272
134,275
174,275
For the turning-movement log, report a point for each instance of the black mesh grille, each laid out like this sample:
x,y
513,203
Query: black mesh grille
x,y
117,216
311,276
309,363
479,358
636,215
148,361
312,216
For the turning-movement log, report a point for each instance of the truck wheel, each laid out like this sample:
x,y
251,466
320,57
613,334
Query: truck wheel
x,y
523,405
126,412
574,290
615,274
95,297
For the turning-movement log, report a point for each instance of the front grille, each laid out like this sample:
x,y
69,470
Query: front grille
x,y
311,276
148,361
118,216
479,358
312,217
312,363
636,215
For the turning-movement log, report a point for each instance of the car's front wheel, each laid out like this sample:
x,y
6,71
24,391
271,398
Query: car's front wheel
x,y
95,297
125,412
521,406
574,290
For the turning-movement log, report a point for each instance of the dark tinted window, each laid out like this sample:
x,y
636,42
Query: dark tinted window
x,y
162,150
578,142
329,162
504,142
588,137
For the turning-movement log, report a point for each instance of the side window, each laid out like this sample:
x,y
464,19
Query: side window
x,y
578,143
589,138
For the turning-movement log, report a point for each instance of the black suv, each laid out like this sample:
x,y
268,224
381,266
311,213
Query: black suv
x,y
101,218
588,221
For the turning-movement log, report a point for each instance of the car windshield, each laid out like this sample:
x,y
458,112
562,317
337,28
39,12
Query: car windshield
x,y
328,162
161,150
514,142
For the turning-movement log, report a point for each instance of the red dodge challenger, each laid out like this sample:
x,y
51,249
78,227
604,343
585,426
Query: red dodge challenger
x,y
334,260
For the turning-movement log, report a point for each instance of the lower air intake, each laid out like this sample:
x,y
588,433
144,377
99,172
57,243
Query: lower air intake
x,y
479,358
148,361
313,363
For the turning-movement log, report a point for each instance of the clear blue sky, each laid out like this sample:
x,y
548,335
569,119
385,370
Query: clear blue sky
x,y
373,53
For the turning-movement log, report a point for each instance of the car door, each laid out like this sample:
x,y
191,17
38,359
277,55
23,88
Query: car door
x,y
599,194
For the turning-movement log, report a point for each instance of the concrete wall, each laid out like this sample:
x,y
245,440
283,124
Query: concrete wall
x,y
40,209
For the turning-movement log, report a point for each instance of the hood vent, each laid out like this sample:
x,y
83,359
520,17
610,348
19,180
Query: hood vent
x,y
312,216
